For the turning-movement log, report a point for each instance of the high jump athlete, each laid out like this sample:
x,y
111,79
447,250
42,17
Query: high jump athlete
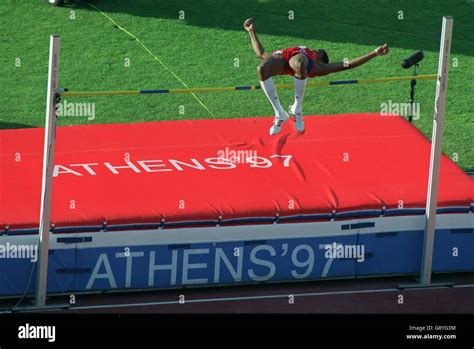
x,y
301,63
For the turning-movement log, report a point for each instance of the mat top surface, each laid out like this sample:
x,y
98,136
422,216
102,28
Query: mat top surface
x,y
175,170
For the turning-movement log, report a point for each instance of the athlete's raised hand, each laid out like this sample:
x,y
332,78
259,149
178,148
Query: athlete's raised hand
x,y
248,24
381,50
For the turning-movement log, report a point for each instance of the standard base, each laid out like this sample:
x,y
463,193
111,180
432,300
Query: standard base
x,y
419,285
33,308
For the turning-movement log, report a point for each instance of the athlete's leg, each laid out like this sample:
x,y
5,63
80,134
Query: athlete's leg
x,y
271,66
299,64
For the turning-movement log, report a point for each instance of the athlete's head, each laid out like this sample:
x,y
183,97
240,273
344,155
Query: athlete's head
x,y
321,55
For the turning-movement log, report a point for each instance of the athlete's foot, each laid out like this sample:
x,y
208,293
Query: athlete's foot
x,y
278,123
299,122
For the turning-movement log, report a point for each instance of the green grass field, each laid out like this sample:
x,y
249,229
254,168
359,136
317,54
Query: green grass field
x,y
202,50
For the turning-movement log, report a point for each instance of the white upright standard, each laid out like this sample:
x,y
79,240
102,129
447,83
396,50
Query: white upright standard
x,y
436,144
48,162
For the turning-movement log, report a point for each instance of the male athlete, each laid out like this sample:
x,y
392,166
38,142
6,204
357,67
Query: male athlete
x,y
301,63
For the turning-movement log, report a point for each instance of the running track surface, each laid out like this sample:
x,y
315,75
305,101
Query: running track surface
x,y
338,296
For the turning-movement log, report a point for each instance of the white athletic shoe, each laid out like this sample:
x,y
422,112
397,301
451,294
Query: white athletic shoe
x,y
299,122
278,123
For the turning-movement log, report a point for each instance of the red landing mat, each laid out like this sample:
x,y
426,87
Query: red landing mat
x,y
138,173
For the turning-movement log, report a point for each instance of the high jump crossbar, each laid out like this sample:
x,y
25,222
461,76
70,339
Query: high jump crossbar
x,y
50,137
242,88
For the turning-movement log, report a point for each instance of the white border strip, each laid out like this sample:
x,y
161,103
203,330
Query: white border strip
x,y
247,232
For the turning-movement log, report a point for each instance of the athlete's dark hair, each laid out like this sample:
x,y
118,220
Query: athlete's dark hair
x,y
323,55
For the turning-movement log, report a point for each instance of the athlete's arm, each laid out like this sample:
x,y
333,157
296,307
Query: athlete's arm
x,y
256,45
325,69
